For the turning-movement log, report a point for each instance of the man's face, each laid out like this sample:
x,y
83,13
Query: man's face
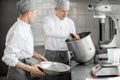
x,y
61,13
32,16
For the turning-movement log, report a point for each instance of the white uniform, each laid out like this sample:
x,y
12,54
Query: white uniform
x,y
19,43
57,31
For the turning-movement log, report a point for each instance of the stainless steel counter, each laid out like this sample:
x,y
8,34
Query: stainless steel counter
x,y
82,71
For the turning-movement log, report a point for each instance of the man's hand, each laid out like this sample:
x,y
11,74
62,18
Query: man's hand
x,y
76,37
35,70
39,57
42,58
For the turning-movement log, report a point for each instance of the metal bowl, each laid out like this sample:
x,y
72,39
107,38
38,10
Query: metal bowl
x,y
83,49
54,68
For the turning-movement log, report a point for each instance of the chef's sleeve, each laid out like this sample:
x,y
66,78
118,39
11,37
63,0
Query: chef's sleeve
x,y
12,50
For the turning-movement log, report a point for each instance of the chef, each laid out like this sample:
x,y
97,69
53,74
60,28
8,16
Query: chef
x,y
57,28
20,46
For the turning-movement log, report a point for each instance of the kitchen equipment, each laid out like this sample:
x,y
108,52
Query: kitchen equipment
x,y
108,15
105,69
109,68
83,50
53,68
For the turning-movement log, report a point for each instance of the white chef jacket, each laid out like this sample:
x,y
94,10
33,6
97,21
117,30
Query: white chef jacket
x,y
19,43
57,31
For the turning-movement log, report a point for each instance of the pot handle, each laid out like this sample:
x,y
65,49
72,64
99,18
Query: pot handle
x,y
40,69
72,35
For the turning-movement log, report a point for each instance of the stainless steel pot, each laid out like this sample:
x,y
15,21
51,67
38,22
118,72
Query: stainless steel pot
x,y
53,68
83,49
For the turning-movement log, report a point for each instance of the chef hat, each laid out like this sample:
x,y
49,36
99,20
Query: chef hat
x,y
25,5
63,4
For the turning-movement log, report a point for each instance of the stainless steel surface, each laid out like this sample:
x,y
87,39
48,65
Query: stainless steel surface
x,y
105,70
54,68
83,50
82,72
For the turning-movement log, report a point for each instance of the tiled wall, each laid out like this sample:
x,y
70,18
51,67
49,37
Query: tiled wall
x,y
79,13
84,19
44,8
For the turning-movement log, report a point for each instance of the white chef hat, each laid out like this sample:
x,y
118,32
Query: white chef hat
x,y
25,5
63,4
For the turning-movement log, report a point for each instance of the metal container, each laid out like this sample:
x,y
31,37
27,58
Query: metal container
x,y
83,49
53,68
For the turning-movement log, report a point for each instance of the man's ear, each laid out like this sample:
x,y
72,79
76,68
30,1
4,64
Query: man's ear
x,y
29,13
56,8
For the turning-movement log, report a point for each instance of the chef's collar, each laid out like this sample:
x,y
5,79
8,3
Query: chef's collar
x,y
24,23
59,18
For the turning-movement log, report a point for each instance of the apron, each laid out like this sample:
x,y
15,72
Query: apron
x,y
57,56
19,74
